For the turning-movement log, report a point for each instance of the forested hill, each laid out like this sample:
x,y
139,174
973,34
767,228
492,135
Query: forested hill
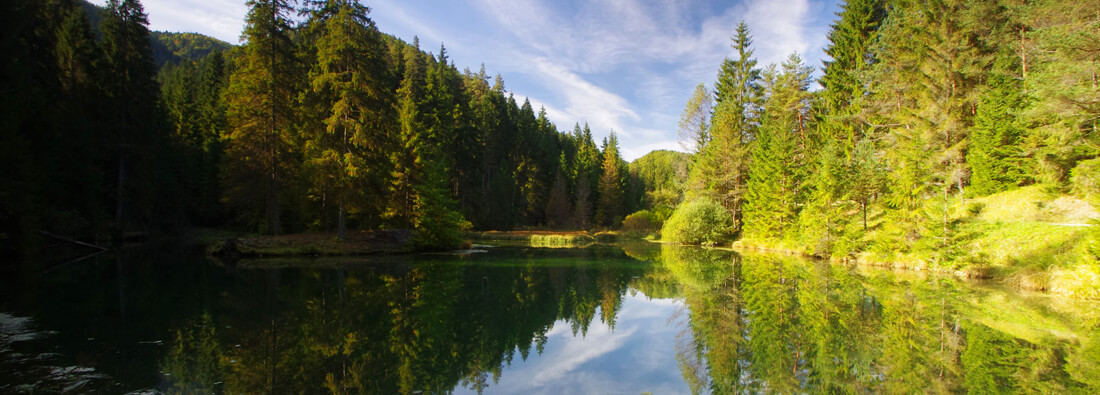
x,y
173,48
168,47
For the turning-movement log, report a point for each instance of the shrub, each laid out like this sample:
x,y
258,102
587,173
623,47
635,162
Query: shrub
x,y
701,221
1085,179
641,222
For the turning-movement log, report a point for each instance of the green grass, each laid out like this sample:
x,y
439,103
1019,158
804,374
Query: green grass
x,y
560,241
1030,238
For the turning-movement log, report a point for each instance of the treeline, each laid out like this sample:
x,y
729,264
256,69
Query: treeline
x,y
327,124
924,105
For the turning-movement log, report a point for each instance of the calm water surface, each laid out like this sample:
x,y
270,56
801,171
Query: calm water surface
x,y
630,319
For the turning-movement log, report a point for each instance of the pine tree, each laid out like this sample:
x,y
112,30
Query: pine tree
x,y
260,108
929,65
774,186
609,212
995,156
824,215
558,208
132,93
586,173
411,121
850,42
719,169
350,77
694,129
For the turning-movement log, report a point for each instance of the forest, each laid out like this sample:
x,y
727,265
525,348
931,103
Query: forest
x,y
954,135
957,135
317,122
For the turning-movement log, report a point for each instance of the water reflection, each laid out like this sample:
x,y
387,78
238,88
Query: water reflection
x,y
636,318
777,324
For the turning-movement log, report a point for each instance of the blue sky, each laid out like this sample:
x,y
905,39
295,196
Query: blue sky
x,y
637,356
622,65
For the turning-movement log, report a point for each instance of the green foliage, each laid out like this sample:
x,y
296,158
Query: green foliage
x,y
694,129
609,211
719,168
1085,179
642,222
662,175
996,157
178,48
700,221
262,145
774,189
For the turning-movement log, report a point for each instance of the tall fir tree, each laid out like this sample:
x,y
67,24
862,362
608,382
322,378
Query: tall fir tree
x,y
351,78
133,96
609,211
719,169
262,141
996,158
694,131
774,187
850,43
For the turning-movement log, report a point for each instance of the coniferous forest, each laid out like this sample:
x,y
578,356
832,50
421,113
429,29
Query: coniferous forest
x,y
934,127
325,124
954,135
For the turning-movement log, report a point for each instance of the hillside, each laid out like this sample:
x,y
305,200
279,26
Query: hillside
x,y
169,47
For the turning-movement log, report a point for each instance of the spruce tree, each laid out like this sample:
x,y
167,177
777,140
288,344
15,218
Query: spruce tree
x,y
350,78
849,48
719,168
995,156
609,212
262,142
774,187
132,93
694,129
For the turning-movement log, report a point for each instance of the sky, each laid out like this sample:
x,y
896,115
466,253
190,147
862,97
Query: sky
x,y
627,66
637,356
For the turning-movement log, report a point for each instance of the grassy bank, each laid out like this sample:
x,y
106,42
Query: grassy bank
x,y
1028,238
546,238
223,243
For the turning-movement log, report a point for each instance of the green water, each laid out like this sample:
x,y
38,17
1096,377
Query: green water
x,y
627,319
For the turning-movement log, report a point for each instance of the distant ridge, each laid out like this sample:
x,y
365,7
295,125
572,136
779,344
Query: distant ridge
x,y
168,47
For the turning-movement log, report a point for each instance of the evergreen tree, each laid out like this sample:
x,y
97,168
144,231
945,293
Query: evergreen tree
x,y
849,48
586,173
774,187
996,158
558,208
411,121
1060,62
350,76
719,170
610,208
262,143
132,93
694,129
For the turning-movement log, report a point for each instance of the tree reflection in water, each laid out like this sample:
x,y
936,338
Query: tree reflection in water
x,y
753,323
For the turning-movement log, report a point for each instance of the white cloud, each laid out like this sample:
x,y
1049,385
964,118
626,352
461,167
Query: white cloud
x,y
626,65
584,101
575,352
220,19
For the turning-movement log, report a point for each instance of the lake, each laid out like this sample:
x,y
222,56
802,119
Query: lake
x,y
633,318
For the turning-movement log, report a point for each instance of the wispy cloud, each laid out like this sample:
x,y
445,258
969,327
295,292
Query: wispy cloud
x,y
626,65
219,19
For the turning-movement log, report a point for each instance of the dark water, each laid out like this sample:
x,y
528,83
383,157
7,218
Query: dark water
x,y
640,318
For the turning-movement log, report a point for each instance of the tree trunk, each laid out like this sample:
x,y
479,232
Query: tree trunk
x,y
340,221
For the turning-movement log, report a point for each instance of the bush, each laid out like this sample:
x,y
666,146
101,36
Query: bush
x,y
701,221
641,222
1085,179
